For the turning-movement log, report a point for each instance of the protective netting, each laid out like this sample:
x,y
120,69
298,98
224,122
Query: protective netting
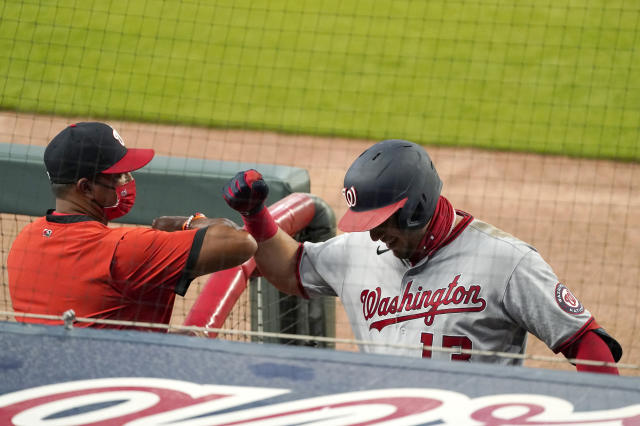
x,y
528,109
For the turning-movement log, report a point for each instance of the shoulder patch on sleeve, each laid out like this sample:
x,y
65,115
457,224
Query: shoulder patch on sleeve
x,y
567,301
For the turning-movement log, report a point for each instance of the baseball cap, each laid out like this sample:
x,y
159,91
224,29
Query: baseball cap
x,y
89,148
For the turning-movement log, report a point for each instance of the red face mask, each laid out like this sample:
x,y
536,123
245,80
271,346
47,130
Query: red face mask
x,y
126,198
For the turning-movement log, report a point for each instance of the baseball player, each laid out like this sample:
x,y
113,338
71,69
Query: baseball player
x,y
71,259
410,269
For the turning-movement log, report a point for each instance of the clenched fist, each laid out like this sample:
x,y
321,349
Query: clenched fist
x,y
246,192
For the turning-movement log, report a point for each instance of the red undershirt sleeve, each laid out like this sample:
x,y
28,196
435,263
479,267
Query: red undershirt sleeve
x,y
590,346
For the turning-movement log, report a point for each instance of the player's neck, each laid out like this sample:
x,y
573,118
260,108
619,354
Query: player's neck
x,y
442,223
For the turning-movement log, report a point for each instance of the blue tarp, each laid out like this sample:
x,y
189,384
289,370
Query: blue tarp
x,y
83,376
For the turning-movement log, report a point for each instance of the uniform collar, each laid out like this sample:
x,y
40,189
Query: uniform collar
x,y
67,218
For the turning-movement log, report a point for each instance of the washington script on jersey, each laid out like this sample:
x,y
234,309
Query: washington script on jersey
x,y
138,401
414,298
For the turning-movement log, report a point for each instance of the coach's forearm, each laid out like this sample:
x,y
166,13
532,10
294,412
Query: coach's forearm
x,y
177,223
276,259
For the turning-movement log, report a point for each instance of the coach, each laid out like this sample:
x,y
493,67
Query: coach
x,y
71,259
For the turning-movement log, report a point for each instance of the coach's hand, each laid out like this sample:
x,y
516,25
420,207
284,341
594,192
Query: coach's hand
x,y
246,192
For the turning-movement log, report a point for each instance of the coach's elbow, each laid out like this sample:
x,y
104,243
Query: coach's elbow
x,y
246,246
224,248
238,247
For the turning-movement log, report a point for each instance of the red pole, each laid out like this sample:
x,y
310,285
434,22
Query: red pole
x,y
221,292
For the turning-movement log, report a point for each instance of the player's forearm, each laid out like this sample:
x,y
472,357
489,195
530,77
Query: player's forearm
x,y
277,260
276,256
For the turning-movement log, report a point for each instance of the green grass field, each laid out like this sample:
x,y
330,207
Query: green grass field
x,y
559,77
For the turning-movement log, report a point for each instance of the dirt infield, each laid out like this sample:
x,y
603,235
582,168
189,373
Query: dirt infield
x,y
579,214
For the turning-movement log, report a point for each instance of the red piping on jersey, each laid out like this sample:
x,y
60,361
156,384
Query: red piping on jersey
x,y
466,220
303,292
591,324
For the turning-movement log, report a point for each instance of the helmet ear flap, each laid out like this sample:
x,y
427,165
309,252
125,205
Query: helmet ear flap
x,y
413,214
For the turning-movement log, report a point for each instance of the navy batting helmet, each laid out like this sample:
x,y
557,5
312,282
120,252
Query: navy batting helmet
x,y
392,175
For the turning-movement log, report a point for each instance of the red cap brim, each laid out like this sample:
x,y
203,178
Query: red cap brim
x,y
363,221
134,159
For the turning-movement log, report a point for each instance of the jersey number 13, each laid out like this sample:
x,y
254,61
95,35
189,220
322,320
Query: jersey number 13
x,y
461,342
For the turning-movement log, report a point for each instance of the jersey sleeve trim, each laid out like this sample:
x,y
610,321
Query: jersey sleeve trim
x,y
591,324
303,292
187,277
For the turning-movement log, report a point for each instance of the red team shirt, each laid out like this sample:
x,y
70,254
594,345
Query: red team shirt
x,y
62,262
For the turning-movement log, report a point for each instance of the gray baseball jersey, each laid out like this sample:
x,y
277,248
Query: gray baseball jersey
x,y
483,290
